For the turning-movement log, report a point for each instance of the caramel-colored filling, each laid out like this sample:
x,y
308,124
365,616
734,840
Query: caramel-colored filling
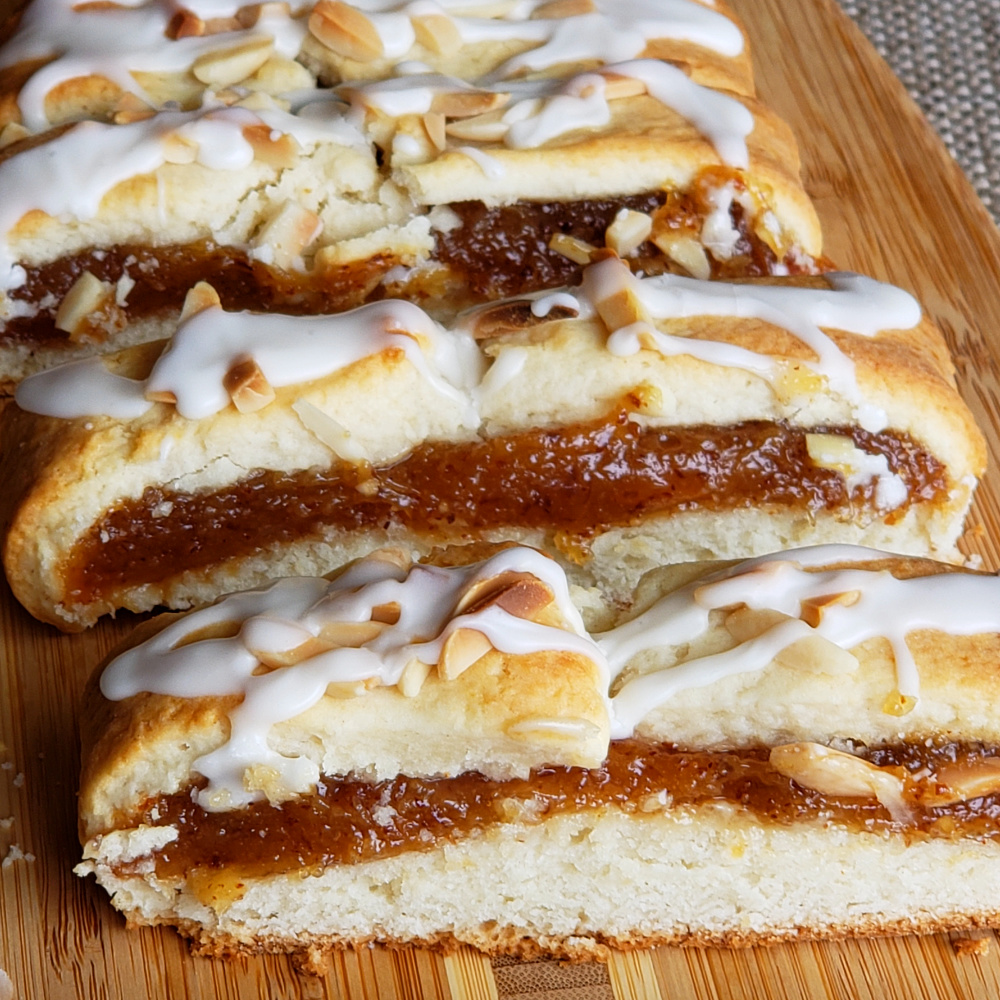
x,y
573,482
495,252
162,277
347,822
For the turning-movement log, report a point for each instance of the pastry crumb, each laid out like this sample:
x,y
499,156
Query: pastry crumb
x,y
14,853
971,946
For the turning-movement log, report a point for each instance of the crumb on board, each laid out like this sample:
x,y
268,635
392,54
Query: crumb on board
x,y
14,853
971,946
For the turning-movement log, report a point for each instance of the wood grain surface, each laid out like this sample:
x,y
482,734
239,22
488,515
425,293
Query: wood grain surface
x,y
894,206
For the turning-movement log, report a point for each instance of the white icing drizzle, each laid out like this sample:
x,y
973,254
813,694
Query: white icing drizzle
x,y
114,41
68,176
491,167
958,604
854,303
542,110
288,350
282,617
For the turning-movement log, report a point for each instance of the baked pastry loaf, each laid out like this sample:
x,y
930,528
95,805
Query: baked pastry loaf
x,y
619,425
444,189
799,747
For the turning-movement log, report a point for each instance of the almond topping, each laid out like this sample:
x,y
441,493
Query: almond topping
x,y
628,231
463,648
185,24
288,233
745,623
86,296
618,87
816,655
350,634
248,387
160,396
411,680
202,296
438,33
224,67
576,250
346,31
131,108
279,151
12,132
961,782
623,308
388,614
512,317
814,608
480,128
467,103
433,123
248,16
178,149
686,251
833,772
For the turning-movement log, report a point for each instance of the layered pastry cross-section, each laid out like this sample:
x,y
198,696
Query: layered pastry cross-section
x,y
804,745
619,425
447,182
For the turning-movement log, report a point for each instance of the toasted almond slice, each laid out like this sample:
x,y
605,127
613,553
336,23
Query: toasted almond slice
x,y
463,648
202,296
275,659
961,782
438,33
353,634
623,308
131,108
833,772
512,317
814,608
687,251
467,103
481,128
224,67
388,614
411,680
346,689
249,15
345,30
397,557
288,233
745,623
279,150
13,132
519,594
433,123
160,396
628,231
330,431
178,149
617,87
248,387
185,24
562,8
87,294
576,250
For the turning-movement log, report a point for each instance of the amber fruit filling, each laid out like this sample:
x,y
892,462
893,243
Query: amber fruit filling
x,y
573,481
347,822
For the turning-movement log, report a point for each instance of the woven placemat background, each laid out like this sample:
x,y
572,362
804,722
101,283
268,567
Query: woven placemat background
x,y
947,53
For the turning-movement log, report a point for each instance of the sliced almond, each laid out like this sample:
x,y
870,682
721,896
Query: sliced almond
x,y
249,15
433,123
185,24
350,634
623,308
331,432
12,132
131,108
578,251
463,648
814,608
467,103
345,30
833,772
388,614
563,8
276,659
178,148
961,782
480,128
87,294
745,623
617,87
248,387
280,150
202,296
346,689
160,396
511,317
488,591
224,67
288,233
411,680
628,231
686,251
438,33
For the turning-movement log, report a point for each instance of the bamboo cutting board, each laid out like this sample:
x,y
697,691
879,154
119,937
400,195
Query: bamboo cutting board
x,y
894,206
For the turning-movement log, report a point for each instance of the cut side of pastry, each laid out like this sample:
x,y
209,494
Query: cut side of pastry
x,y
449,182
619,425
803,745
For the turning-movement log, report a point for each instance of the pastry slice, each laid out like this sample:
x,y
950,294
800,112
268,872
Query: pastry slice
x,y
805,745
619,425
104,228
